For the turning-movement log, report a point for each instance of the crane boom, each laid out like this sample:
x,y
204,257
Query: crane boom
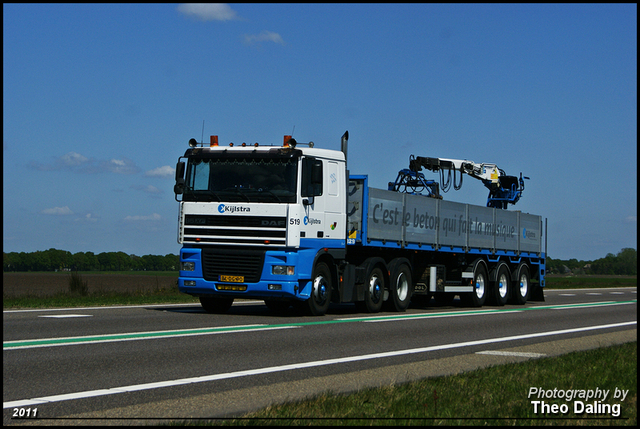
x,y
503,189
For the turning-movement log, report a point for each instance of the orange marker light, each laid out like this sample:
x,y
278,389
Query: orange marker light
x,y
214,141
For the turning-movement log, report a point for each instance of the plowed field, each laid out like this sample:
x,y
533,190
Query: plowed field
x,y
46,284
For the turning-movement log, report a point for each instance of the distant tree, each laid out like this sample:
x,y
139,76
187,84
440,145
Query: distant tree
x,y
171,262
123,261
55,259
624,263
628,261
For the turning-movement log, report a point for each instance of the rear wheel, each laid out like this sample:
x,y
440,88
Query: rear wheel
x,y
400,288
216,305
320,297
521,289
501,286
480,287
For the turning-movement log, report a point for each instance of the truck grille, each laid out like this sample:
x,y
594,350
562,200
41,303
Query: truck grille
x,y
232,262
235,230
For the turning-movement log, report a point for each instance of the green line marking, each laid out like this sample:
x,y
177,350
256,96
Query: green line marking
x,y
10,345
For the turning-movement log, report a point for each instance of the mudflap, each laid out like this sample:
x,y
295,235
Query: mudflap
x,y
537,294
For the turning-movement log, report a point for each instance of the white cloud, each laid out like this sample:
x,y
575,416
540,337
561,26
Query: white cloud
x,y
68,161
87,218
119,166
208,11
73,159
152,217
265,36
164,171
148,189
632,219
58,211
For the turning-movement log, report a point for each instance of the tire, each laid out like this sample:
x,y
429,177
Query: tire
x,y
374,290
321,284
216,305
400,287
480,286
520,290
501,287
277,306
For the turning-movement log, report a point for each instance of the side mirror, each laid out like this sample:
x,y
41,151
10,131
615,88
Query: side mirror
x,y
179,170
179,186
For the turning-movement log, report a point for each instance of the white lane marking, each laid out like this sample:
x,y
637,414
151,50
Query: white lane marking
x,y
595,304
63,316
616,293
518,354
567,294
118,307
594,293
432,316
134,336
301,365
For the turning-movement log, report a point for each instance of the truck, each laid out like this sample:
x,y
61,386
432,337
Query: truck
x,y
289,224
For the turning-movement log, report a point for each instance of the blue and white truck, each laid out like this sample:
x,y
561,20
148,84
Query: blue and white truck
x,y
289,225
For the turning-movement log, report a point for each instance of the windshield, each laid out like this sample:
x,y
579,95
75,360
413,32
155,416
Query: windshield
x,y
242,179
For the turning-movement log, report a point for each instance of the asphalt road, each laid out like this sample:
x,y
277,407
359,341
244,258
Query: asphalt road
x,y
176,361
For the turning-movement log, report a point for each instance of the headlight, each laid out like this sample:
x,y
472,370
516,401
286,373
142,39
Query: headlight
x,y
283,270
187,266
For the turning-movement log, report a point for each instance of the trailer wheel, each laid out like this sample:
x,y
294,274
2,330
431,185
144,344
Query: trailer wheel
x,y
374,290
480,287
320,290
520,291
216,305
501,287
401,287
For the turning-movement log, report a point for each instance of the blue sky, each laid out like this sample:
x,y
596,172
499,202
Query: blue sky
x,y
99,101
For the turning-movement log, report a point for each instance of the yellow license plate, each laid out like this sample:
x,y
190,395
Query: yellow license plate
x,y
232,279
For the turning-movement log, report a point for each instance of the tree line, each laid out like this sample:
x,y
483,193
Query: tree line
x,y
62,260
624,263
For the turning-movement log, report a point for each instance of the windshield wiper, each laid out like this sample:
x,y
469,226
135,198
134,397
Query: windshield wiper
x,y
242,194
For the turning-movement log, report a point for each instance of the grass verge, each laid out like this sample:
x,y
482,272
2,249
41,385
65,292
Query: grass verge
x,y
577,282
491,396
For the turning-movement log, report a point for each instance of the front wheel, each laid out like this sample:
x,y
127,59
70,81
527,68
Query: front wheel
x,y
318,302
374,290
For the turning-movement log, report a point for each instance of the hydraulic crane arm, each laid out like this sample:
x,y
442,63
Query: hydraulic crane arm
x,y
503,189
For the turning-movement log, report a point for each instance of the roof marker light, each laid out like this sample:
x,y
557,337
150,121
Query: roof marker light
x,y
214,141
